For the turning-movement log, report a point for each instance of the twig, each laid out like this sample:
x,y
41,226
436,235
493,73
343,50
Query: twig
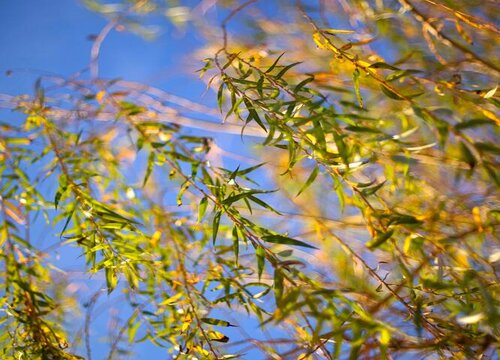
x,y
96,48
447,40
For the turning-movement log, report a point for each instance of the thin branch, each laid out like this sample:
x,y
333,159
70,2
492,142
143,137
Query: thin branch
x,y
96,48
447,40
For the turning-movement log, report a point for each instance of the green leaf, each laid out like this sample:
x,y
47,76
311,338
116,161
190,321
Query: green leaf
x,y
234,198
260,85
39,91
111,279
390,93
236,244
234,173
68,219
401,219
129,108
278,285
216,322
263,204
271,68
285,240
362,129
260,254
379,239
402,73
339,190
249,170
372,190
382,65
253,115
487,147
473,123
286,68
309,180
57,197
103,209
215,226
467,155
149,168
220,98
355,77
182,190
202,208
303,83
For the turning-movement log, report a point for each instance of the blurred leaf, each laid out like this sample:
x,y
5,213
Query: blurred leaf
x,y
382,65
271,68
202,208
284,240
260,254
217,336
373,189
336,31
149,168
390,93
355,76
309,180
473,123
278,285
401,74
216,322
467,155
285,69
379,239
215,226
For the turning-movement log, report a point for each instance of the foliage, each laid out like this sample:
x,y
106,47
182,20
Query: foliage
x,y
367,229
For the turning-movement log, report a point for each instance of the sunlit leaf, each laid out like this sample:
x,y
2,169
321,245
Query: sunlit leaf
x,y
216,322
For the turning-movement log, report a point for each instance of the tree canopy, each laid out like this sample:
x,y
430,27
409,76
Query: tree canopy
x,y
356,218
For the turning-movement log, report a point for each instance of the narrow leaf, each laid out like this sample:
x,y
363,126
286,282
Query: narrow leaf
x,y
309,180
278,285
382,65
260,254
215,226
285,240
220,97
149,168
271,68
202,208
286,68
216,322
355,77
390,93
380,239
236,244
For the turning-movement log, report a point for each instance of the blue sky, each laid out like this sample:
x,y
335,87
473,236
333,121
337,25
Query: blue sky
x,y
52,36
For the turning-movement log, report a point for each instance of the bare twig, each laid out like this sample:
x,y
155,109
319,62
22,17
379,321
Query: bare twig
x,y
96,48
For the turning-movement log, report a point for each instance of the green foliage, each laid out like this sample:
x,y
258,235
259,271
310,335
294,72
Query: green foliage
x,y
375,234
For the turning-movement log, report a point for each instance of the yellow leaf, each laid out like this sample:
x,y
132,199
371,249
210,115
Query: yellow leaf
x,y
322,43
471,319
171,300
100,96
491,93
476,215
304,356
336,31
155,238
385,337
